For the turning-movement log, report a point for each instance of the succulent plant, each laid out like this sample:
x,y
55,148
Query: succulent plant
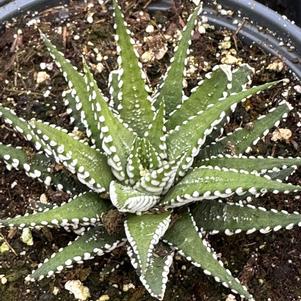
x,y
160,162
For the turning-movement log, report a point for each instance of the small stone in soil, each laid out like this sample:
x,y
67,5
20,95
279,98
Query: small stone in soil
x,y
3,279
26,237
149,28
126,287
42,76
4,248
55,290
103,298
90,18
43,198
231,298
277,66
298,88
79,291
281,134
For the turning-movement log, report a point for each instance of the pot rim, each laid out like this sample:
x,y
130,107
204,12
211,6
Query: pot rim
x,y
282,39
282,33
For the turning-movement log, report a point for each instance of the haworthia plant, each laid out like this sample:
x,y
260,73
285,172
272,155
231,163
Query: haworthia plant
x,y
146,155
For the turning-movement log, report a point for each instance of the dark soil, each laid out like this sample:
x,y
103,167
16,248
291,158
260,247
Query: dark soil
x,y
269,265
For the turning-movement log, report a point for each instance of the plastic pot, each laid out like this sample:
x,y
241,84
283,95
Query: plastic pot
x,y
253,22
12,8
262,26
290,8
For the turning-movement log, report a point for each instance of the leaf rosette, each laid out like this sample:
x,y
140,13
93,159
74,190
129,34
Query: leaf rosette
x,y
157,159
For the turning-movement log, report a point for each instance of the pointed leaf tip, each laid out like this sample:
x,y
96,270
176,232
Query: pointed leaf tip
x,y
94,242
85,208
134,106
171,89
184,236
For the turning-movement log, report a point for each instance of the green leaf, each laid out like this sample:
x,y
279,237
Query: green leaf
x,y
282,174
114,89
95,241
192,134
85,209
208,92
155,277
89,164
116,139
241,139
127,199
231,218
211,183
134,106
157,131
160,180
142,158
79,92
136,161
16,157
40,167
241,78
184,237
71,104
143,233
20,125
38,162
171,89
252,164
